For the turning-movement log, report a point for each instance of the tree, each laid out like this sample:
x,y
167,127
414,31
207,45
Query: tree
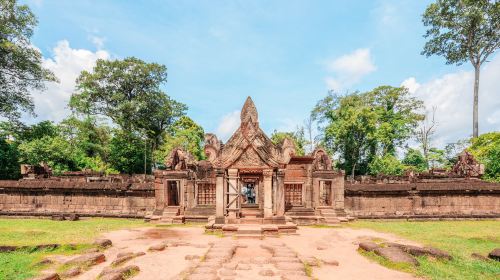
x,y
363,126
126,91
89,141
462,30
386,165
127,153
350,128
297,137
425,133
436,158
21,67
397,116
9,163
414,158
308,124
486,149
56,152
185,134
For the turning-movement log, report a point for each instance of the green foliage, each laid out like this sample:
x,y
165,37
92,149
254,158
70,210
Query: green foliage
x,y
297,137
54,151
462,30
386,165
126,153
20,63
436,158
486,149
415,160
9,161
128,92
361,126
397,116
186,134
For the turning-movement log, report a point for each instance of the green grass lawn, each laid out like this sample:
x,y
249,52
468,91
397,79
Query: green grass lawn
x,y
459,238
29,232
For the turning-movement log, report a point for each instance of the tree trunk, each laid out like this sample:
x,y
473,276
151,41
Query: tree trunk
x,y
475,126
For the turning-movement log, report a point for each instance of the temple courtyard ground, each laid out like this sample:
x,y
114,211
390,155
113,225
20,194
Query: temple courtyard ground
x,y
187,252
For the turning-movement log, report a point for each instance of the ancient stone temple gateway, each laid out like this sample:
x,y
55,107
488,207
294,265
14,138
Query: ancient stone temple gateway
x,y
249,179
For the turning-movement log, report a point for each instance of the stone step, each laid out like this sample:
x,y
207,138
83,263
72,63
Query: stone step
x,y
249,230
249,220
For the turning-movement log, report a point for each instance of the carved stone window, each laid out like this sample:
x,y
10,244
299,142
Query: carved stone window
x,y
293,194
206,194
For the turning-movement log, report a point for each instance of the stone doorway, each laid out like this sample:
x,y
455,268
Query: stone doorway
x,y
293,195
249,191
173,193
325,193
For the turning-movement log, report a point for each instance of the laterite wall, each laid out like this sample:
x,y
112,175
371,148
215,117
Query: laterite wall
x,y
439,199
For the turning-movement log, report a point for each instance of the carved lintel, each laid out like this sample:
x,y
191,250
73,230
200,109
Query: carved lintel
x,y
267,172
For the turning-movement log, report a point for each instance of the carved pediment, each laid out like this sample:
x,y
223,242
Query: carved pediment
x,y
249,158
248,146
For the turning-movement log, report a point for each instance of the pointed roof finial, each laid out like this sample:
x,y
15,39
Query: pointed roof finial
x,y
249,112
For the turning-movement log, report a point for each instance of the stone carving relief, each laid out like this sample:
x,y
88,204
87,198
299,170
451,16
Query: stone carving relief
x,y
212,147
179,160
321,160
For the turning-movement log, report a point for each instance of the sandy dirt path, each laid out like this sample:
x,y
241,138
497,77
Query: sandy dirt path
x,y
339,244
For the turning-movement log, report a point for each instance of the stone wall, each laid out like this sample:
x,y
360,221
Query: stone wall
x,y
453,198
48,197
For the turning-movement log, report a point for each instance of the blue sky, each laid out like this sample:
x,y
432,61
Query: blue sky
x,y
285,54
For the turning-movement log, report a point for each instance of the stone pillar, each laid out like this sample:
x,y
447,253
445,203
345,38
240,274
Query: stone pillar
x,y
338,189
219,196
307,188
268,193
233,193
280,193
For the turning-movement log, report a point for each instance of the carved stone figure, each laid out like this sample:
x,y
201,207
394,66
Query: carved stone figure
x,y
322,160
179,160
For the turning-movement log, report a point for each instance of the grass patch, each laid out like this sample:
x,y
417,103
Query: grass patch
x,y
40,231
22,264
459,238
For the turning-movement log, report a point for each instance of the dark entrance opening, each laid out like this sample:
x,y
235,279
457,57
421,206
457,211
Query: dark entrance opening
x,y
173,193
248,193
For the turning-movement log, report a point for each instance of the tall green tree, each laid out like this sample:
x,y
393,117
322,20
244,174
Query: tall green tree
x,y
349,129
297,137
463,30
363,127
128,92
397,116
185,134
21,67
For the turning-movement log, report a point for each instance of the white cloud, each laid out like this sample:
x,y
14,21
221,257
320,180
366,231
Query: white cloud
x,y
228,125
66,63
97,41
452,96
349,69
411,84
